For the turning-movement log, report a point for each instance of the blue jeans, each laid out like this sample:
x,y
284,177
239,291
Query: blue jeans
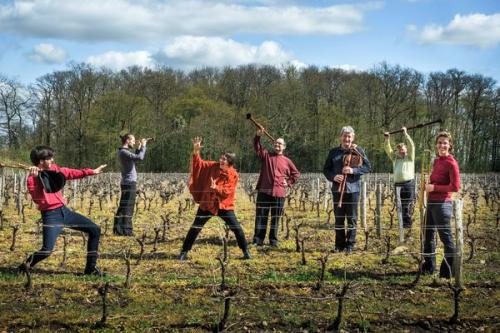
x,y
349,212
265,204
53,223
438,217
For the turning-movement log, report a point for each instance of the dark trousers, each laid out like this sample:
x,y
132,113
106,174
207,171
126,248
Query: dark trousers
x,y
438,217
265,204
125,212
203,216
407,196
349,211
53,223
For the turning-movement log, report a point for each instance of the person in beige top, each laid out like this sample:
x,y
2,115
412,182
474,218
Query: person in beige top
x,y
403,164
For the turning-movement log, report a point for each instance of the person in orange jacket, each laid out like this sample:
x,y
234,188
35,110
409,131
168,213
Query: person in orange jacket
x,y
213,186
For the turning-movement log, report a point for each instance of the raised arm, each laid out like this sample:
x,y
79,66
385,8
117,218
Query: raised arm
x,y
259,149
411,144
387,145
197,162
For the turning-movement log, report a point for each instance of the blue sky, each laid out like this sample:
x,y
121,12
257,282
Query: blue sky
x,y
40,36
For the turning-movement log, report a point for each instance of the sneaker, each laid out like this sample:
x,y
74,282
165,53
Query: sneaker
x,y
246,255
273,243
348,250
183,256
94,272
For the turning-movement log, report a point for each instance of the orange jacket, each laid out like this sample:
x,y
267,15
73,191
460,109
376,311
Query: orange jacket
x,y
222,197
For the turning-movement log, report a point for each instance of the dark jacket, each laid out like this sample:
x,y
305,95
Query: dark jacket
x,y
335,163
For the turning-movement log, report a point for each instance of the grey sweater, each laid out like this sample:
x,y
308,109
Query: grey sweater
x,y
127,160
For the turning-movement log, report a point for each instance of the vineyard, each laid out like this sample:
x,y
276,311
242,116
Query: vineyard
x,y
300,286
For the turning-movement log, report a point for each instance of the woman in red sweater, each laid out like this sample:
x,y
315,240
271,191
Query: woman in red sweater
x,y
213,186
444,180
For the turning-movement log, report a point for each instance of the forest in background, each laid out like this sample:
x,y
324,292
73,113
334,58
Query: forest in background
x,y
81,111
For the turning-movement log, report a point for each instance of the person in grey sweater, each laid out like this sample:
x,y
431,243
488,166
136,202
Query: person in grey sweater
x,y
123,218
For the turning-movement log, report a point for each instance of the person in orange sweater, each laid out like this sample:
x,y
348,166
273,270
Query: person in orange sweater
x,y
213,186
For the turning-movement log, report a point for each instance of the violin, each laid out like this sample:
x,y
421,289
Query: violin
x,y
352,159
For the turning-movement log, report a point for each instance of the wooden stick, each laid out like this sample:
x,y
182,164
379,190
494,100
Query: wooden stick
x,y
249,117
14,166
417,126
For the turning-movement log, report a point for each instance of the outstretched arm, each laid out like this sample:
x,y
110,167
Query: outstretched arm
x,y
80,173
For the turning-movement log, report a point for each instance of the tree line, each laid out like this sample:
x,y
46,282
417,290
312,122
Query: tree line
x,y
82,110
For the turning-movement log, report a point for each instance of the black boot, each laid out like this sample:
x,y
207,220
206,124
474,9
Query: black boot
x,y
183,256
427,268
446,269
94,271
246,255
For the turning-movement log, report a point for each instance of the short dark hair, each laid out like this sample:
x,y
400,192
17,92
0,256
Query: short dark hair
x,y
125,137
40,153
231,157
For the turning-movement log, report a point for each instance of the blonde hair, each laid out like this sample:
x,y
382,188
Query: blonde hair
x,y
446,135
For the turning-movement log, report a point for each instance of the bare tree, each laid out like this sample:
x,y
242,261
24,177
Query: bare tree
x,y
14,101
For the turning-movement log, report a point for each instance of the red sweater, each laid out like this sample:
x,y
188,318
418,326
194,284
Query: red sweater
x,y
275,170
222,197
445,177
49,201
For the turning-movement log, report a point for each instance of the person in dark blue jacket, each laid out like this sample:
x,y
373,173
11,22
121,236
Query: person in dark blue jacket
x,y
334,170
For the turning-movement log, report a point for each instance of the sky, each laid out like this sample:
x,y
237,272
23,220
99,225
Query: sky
x,y
41,36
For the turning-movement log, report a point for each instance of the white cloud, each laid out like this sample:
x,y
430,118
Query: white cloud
x,y
475,29
155,20
120,60
47,54
347,67
191,51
